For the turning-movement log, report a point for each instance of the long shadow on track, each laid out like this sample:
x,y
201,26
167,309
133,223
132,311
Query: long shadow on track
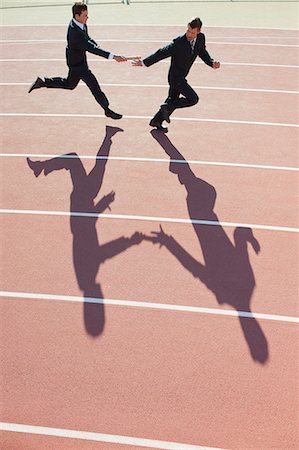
x,y
226,271
88,254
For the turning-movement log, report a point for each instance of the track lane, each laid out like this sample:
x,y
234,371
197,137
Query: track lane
x,y
47,252
165,31
250,52
217,141
230,75
163,195
212,105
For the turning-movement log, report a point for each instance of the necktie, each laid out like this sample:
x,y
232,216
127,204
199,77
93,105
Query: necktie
x,y
192,43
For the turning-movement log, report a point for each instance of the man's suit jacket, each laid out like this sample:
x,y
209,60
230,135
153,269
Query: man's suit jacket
x,y
78,43
181,55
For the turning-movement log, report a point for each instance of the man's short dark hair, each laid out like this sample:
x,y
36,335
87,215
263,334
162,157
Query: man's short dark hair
x,y
195,23
78,7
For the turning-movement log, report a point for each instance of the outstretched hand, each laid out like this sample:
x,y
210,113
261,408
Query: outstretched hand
x,y
137,62
160,237
119,58
137,237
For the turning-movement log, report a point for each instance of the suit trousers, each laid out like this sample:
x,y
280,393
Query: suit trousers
x,y
180,95
72,80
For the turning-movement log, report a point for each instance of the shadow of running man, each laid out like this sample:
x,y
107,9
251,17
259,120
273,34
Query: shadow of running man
x,y
88,254
226,271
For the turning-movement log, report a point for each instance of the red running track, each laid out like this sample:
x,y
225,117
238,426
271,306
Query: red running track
x,y
183,372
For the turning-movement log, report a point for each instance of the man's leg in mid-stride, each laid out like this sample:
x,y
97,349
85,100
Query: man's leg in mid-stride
x,y
165,110
70,82
92,83
180,96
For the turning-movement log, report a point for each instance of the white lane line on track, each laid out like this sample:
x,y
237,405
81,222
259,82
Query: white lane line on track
x,y
143,41
251,64
110,61
150,219
185,119
150,305
154,160
218,38
99,437
167,25
164,86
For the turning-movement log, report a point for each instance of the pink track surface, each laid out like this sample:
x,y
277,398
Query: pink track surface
x,y
167,375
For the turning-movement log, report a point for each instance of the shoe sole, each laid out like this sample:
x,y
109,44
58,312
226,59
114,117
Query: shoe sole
x,y
159,128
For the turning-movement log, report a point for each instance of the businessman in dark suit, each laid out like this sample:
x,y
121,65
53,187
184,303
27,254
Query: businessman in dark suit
x,y
78,43
183,51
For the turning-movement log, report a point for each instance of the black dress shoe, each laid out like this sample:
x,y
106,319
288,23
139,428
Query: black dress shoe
x,y
38,83
112,114
158,125
165,113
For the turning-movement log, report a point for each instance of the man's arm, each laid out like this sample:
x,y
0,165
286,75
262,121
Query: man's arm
x,y
89,45
197,269
162,53
205,56
117,246
105,202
